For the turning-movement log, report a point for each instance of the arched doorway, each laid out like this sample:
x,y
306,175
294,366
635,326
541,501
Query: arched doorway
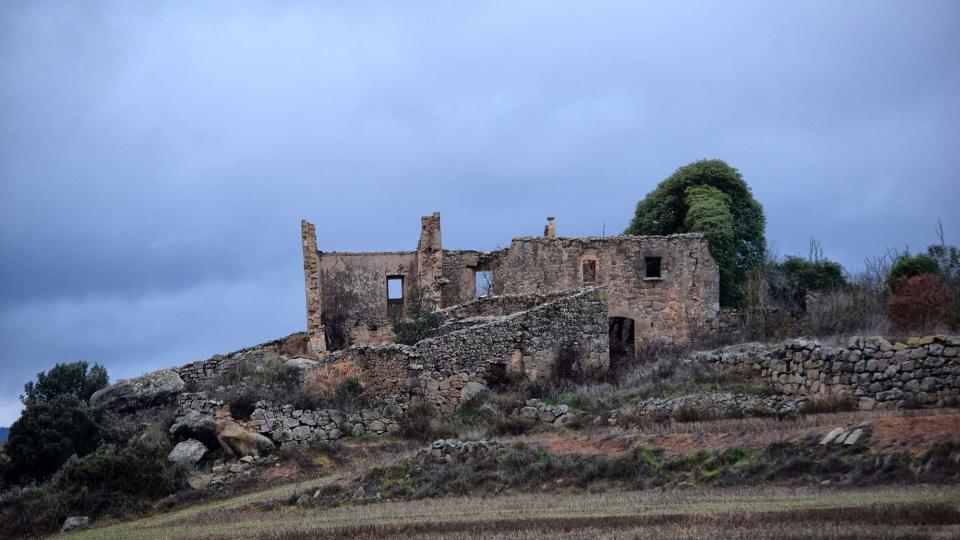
x,y
622,348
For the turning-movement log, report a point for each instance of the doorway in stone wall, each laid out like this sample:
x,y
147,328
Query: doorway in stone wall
x,y
622,348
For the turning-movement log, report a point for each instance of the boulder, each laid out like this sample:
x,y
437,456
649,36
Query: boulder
x,y
195,425
151,389
188,452
199,480
472,390
75,522
237,441
299,366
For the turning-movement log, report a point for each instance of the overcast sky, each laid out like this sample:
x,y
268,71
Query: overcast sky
x,y
156,157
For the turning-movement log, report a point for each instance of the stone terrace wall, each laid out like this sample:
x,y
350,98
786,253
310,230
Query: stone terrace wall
x,y
286,426
925,372
448,369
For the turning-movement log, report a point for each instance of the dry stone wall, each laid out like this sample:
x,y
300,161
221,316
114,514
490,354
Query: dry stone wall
x,y
924,372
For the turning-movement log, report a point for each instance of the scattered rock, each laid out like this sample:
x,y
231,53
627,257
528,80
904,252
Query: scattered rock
x,y
188,452
853,437
199,480
73,523
834,433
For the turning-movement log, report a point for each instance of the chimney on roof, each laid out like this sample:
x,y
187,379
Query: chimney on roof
x,y
550,230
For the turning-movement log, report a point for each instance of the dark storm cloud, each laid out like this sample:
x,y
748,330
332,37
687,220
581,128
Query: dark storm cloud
x,y
155,158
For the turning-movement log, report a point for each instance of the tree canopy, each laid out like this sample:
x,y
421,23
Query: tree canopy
x,y
909,266
51,431
711,197
73,378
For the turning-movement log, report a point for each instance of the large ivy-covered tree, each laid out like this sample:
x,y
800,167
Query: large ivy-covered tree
x,y
711,197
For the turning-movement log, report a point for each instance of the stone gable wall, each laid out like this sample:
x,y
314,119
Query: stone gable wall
x,y
925,372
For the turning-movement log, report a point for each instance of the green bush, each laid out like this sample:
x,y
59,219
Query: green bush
x,y
910,266
49,432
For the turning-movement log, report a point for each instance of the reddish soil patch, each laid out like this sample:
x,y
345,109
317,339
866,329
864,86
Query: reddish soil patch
x,y
907,432
915,434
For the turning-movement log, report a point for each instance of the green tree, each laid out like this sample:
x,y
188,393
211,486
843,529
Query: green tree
x,y
909,266
73,378
793,278
711,197
48,432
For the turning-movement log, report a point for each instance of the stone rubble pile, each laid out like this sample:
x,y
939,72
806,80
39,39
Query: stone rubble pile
x,y
542,413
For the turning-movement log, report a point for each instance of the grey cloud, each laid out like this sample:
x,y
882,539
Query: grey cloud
x,y
154,156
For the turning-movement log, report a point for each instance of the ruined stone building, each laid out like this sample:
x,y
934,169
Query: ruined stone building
x,y
657,287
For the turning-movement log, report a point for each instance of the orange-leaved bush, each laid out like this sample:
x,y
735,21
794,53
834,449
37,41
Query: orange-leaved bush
x,y
920,302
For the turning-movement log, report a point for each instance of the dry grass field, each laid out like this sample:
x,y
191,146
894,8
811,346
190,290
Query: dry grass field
x,y
813,511
896,512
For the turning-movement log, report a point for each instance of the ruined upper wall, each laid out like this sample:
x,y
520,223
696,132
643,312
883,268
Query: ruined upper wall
x,y
684,298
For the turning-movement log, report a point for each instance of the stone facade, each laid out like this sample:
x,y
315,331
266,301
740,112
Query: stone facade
x,y
924,372
667,286
669,302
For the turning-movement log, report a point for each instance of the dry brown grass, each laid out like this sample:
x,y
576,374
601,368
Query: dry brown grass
x,y
697,513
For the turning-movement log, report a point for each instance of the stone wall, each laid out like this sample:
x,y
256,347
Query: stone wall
x,y
448,369
201,373
684,298
285,425
924,372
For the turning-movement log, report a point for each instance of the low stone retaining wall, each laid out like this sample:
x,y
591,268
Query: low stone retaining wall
x,y
288,426
708,405
924,372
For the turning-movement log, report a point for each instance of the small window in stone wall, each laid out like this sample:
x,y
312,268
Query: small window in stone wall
x,y
652,266
395,297
589,271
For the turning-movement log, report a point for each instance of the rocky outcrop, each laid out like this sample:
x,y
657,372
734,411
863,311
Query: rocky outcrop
x,y
152,389
188,452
